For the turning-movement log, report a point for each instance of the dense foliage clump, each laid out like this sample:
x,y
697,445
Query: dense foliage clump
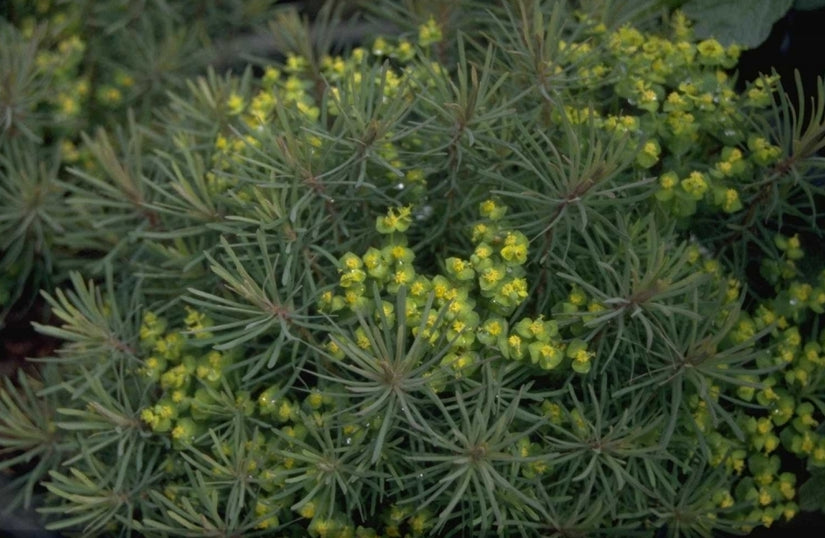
x,y
523,268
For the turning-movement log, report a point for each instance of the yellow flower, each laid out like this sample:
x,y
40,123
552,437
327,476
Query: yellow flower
x,y
711,52
403,276
311,112
235,103
668,180
514,348
492,210
514,290
361,340
481,253
515,248
404,51
819,454
380,47
793,242
429,33
576,297
695,185
285,411
763,152
307,510
764,425
271,75
649,155
419,287
396,220
401,254
295,63
582,356
726,501
494,328
149,417
732,202
68,106
490,277
547,355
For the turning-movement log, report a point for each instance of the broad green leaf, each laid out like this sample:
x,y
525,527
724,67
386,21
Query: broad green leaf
x,y
745,22
808,5
812,493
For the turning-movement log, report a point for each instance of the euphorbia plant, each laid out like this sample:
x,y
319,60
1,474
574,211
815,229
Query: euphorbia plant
x,y
532,269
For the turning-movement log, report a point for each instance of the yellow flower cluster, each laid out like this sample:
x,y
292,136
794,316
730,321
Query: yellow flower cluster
x,y
186,374
476,294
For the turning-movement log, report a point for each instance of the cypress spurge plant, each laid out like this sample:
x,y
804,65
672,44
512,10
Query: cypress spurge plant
x,y
70,67
535,269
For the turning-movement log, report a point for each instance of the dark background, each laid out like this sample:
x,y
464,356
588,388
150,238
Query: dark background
x,y
797,41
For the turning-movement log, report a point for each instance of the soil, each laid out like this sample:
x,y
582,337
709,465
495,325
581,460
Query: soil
x,y
19,340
